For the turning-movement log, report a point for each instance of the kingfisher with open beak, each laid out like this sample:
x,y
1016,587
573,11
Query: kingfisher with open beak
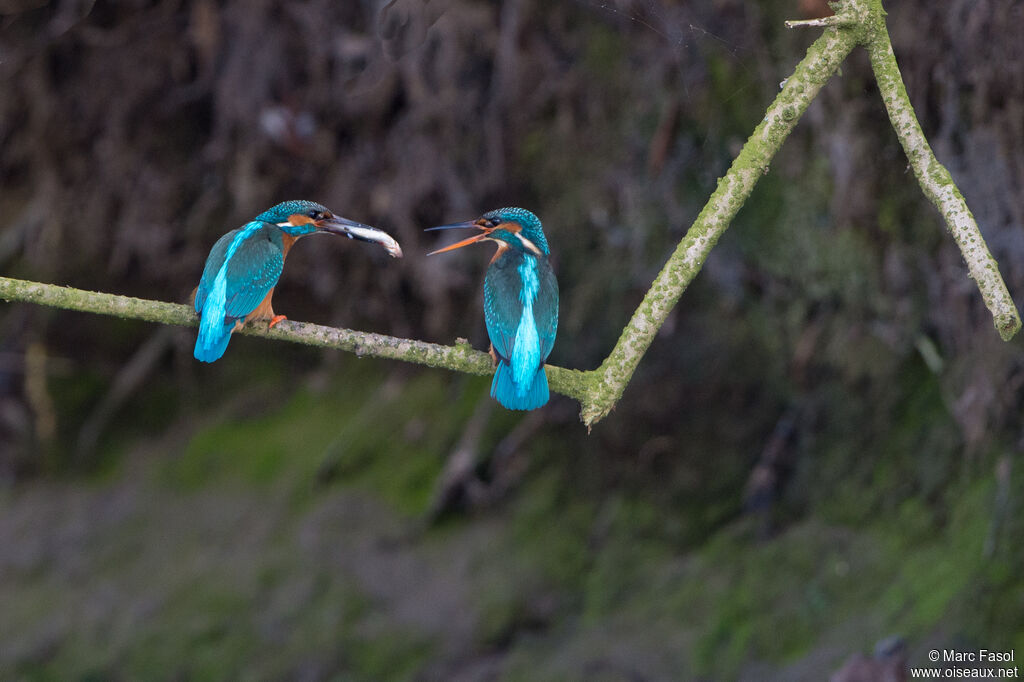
x,y
520,304
244,265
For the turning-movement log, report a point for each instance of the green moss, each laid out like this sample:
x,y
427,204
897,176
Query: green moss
x,y
260,449
337,434
405,473
394,655
621,568
772,600
550,525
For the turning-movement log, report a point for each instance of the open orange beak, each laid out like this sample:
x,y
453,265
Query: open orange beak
x,y
485,232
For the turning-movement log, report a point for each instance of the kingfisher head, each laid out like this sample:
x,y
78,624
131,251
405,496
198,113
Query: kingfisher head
x,y
514,228
298,218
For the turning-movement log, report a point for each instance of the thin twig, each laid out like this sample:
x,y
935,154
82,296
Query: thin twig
x,y
822,22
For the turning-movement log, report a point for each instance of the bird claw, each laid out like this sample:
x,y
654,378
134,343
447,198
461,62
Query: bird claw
x,y
275,319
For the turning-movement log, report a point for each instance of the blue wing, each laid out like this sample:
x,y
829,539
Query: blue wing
x,y
242,268
254,266
252,272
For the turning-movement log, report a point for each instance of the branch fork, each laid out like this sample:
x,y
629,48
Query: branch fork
x,y
856,22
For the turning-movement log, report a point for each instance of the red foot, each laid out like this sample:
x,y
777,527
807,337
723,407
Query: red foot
x,y
274,320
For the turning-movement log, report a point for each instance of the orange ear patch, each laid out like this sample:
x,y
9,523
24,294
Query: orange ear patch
x,y
510,227
299,219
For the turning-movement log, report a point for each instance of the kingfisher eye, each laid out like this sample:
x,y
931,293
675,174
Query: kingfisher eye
x,y
314,214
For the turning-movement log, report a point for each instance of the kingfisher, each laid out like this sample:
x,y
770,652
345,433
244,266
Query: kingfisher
x,y
520,304
244,265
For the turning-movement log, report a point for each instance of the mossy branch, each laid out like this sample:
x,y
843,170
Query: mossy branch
x,y
822,60
857,22
458,358
938,184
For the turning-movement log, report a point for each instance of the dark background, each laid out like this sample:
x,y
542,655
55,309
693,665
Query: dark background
x,y
820,452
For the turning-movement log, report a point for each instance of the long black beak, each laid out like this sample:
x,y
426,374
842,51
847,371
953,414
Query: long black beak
x,y
452,226
364,233
484,232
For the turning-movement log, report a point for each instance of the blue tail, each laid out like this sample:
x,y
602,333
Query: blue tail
x,y
212,343
505,391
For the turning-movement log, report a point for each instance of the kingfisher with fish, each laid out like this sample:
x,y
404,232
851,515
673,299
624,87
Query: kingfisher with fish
x,y
245,264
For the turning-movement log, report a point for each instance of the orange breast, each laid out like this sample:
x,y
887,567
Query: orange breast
x,y
288,240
